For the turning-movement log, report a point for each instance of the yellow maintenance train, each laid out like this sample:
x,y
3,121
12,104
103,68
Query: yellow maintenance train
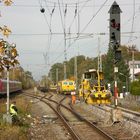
x,y
92,88
66,86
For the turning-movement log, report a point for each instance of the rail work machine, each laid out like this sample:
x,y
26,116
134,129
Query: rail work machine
x,y
66,86
93,89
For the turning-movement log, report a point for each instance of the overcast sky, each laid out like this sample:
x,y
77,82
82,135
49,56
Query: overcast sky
x,y
39,34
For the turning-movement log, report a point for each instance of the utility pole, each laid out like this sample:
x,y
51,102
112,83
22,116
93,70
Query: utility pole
x,y
51,76
8,90
75,74
57,76
99,57
114,24
65,43
8,60
65,67
133,61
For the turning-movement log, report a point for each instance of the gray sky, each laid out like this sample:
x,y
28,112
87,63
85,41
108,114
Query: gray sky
x,y
31,29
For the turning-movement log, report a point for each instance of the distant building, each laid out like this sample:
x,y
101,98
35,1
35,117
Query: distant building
x,y
136,68
137,75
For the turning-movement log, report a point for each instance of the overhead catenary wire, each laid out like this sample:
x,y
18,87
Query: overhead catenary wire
x,y
94,16
88,23
63,26
62,34
72,3
132,26
79,33
47,56
68,4
65,43
79,11
47,6
132,32
62,23
44,15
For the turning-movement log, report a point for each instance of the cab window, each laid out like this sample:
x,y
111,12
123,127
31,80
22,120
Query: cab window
x,y
65,83
70,83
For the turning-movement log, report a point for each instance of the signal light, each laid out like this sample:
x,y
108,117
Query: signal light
x,y
113,36
113,23
118,55
116,46
118,27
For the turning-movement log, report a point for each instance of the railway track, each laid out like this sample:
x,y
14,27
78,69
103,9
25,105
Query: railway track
x,y
128,126
127,114
89,129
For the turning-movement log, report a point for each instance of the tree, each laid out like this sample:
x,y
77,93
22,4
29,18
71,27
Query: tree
x,y
135,87
108,67
52,72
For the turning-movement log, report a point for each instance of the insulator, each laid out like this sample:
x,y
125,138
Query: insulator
x,y
42,10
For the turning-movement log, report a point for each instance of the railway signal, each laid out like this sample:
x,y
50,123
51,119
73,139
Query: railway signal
x,y
115,39
115,30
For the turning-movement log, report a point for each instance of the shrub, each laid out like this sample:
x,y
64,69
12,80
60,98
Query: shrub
x,y
135,88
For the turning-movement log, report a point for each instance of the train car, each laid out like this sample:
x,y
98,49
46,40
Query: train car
x,y
53,87
66,86
93,89
43,86
13,86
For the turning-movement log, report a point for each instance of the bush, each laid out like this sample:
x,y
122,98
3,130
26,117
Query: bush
x,y
15,132
135,88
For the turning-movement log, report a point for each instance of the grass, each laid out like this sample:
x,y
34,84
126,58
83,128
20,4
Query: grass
x,y
15,132
9,132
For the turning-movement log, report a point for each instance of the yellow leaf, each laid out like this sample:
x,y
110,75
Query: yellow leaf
x,y
14,52
6,31
8,2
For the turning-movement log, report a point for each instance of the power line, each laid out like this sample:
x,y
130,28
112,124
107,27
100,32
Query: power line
x,y
94,16
44,15
88,23
79,11
68,5
47,6
71,3
61,16
59,33
132,26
